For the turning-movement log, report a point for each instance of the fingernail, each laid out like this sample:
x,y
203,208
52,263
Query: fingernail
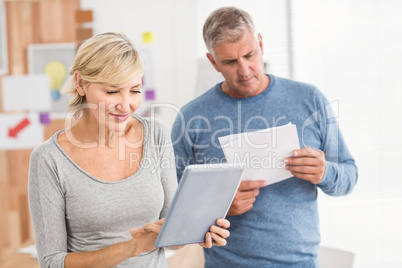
x,y
286,160
219,222
296,153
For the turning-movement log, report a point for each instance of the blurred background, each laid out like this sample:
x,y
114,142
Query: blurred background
x,y
351,50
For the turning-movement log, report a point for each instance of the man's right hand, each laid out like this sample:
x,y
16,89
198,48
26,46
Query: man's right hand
x,y
245,197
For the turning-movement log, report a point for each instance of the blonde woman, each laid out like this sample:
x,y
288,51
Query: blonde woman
x,y
99,190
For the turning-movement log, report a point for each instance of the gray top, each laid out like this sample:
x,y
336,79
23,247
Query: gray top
x,y
73,211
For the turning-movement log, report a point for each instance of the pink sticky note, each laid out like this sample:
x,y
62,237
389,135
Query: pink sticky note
x,y
44,118
149,94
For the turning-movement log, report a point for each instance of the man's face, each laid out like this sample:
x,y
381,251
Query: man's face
x,y
242,66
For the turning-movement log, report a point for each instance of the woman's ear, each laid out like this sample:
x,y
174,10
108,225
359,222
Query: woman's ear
x,y
79,84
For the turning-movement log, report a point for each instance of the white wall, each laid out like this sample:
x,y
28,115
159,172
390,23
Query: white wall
x,y
352,50
175,46
179,48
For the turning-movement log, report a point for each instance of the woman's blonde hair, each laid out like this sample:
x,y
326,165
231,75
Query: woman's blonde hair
x,y
108,58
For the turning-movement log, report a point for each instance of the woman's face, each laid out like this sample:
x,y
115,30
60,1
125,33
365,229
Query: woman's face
x,y
111,107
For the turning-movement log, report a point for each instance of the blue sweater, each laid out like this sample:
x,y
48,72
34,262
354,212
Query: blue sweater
x,y
282,229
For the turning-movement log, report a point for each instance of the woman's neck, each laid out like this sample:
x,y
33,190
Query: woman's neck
x,y
88,132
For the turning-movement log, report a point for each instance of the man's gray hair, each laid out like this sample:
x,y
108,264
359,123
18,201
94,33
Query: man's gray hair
x,y
226,24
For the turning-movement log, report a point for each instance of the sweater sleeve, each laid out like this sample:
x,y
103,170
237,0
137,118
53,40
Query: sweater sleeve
x,y
47,207
340,175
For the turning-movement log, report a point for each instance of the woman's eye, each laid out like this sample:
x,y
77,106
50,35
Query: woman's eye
x,y
136,91
111,92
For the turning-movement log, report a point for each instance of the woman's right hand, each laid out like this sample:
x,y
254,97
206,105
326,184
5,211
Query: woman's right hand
x,y
217,234
144,238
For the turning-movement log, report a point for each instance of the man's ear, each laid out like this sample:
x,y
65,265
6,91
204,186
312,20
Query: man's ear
x,y
212,60
79,84
260,43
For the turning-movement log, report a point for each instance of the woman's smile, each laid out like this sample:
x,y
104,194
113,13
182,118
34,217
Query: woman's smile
x,y
120,117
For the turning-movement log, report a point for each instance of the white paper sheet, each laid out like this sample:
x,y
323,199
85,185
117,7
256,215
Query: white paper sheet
x,y
26,93
262,152
20,131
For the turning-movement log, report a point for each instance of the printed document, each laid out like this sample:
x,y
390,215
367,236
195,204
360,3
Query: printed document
x,y
262,152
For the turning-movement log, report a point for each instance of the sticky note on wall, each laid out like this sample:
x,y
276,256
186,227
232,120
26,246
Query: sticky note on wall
x,y
82,16
148,37
44,118
150,94
84,33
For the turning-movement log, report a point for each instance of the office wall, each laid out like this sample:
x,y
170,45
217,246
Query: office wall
x,y
175,42
41,21
52,21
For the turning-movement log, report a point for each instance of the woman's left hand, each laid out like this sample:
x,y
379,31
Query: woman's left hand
x,y
217,235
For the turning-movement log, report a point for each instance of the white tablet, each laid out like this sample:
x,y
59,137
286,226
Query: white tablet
x,y
204,195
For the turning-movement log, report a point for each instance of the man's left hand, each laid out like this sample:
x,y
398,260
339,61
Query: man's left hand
x,y
307,164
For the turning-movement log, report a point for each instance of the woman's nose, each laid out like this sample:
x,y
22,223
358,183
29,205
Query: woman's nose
x,y
123,105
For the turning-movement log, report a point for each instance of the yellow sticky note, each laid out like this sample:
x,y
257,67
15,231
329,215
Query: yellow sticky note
x,y
148,37
57,72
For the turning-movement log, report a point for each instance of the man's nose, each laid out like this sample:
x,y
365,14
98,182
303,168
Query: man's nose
x,y
242,68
